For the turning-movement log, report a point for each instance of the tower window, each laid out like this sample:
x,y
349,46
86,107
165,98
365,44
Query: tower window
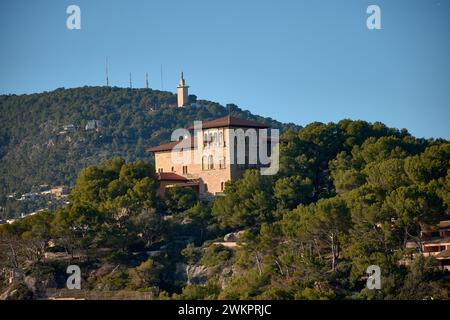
x,y
204,163
220,138
222,163
210,162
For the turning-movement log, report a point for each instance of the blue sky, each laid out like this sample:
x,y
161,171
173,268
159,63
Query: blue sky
x,y
295,61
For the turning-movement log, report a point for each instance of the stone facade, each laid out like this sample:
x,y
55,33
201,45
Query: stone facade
x,y
205,160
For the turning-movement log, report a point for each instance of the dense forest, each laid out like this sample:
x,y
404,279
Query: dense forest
x,y
348,195
47,138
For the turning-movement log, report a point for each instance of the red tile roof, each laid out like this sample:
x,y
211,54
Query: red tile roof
x,y
230,121
170,145
170,176
188,183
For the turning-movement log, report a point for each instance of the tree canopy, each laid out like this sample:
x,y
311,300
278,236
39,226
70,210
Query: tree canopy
x,y
348,195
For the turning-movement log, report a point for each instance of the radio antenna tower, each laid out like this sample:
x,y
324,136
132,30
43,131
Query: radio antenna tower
x,y
107,73
146,80
131,85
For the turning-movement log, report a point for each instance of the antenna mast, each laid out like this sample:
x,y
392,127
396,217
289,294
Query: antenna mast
x,y
131,85
107,73
146,80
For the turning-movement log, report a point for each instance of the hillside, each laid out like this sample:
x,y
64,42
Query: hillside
x,y
47,138
348,195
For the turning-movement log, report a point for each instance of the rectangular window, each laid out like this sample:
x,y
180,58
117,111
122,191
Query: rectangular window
x,y
210,162
185,169
222,163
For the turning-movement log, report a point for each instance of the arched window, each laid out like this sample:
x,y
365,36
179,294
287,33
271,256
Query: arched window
x,y
215,138
210,162
235,151
204,163
220,138
247,150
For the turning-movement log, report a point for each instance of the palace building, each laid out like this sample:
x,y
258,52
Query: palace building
x,y
209,157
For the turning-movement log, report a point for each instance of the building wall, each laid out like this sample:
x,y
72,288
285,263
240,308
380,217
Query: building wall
x,y
211,179
215,143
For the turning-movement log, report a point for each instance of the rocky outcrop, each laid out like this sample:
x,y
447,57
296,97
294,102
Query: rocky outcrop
x,y
225,276
197,274
233,236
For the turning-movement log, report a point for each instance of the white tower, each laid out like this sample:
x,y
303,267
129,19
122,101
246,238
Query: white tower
x,y
182,91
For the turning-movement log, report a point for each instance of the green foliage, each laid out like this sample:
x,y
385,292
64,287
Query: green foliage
x,y
146,275
150,226
348,195
114,281
429,165
115,185
248,201
191,254
217,255
314,294
208,291
386,175
292,191
35,149
421,283
179,199
249,285
201,223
